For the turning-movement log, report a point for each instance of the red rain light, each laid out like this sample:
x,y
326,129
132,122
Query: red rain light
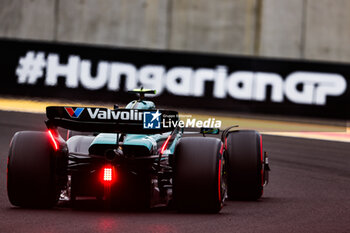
x,y
107,174
53,141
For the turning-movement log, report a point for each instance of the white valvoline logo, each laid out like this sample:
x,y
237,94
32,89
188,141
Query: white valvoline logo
x,y
301,87
107,114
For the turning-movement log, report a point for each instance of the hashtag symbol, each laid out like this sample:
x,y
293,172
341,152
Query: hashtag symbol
x,y
30,67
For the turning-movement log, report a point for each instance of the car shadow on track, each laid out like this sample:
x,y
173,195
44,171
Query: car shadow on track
x,y
98,206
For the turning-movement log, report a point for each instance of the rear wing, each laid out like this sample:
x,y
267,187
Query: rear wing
x,y
91,119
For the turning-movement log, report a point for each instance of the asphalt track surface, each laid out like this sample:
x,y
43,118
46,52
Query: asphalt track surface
x,y
309,191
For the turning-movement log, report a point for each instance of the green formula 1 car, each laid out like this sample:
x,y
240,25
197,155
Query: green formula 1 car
x,y
136,156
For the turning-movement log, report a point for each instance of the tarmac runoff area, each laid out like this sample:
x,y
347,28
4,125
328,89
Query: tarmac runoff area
x,y
265,126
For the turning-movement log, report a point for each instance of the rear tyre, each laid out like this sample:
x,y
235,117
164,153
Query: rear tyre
x,y
245,165
32,178
198,180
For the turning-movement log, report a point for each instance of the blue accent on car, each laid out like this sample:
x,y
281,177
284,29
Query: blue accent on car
x,y
77,112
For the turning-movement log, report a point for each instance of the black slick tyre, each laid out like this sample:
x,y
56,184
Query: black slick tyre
x,y
32,171
198,182
244,165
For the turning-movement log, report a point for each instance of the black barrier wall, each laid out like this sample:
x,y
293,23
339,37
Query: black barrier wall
x,y
230,83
